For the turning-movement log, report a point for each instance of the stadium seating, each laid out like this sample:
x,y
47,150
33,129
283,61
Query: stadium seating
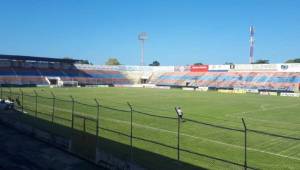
x,y
25,76
52,72
26,72
7,71
285,81
95,77
21,80
42,71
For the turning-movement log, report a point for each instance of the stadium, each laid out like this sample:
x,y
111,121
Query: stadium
x,y
235,116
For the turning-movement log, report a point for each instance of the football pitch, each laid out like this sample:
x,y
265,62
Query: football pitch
x,y
212,128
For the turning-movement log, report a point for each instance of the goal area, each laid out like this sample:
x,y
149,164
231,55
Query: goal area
x,y
70,84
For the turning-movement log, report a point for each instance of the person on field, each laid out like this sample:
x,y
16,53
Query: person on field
x,y
179,113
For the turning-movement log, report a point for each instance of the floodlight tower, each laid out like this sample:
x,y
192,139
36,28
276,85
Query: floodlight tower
x,y
142,37
251,58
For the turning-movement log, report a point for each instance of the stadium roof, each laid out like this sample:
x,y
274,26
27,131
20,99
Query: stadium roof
x,y
32,58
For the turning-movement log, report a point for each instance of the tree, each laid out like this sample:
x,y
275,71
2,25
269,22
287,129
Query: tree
x,y
68,58
228,63
83,62
154,63
79,61
112,61
296,60
198,64
261,62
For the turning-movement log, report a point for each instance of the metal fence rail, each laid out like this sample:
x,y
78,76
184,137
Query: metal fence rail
x,y
95,120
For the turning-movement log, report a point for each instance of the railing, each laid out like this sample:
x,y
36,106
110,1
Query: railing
x,y
161,134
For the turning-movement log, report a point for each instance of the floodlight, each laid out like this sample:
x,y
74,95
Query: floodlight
x,y
142,37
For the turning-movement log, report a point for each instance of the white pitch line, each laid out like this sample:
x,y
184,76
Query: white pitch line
x,y
265,109
262,107
269,143
196,137
271,121
205,139
273,141
295,146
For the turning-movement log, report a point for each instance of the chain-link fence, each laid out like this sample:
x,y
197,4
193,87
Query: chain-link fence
x,y
128,136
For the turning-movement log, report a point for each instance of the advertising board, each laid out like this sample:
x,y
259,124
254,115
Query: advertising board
x,y
290,94
199,68
218,68
267,93
289,67
202,89
182,68
254,67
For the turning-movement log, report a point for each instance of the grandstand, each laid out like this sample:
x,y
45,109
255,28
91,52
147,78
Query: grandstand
x,y
262,77
40,71
255,77
277,81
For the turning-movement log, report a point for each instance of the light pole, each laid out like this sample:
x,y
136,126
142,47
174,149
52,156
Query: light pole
x,y
251,58
142,37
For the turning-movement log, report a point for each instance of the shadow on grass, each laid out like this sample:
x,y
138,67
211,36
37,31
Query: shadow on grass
x,y
116,154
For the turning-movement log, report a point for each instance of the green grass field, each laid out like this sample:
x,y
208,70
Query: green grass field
x,y
272,114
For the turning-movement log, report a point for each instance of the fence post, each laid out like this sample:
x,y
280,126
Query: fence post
x,y
178,135
98,112
36,102
53,106
131,129
73,103
84,128
22,100
10,94
97,130
245,144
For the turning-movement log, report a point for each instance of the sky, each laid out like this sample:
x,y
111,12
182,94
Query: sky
x,y
180,32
